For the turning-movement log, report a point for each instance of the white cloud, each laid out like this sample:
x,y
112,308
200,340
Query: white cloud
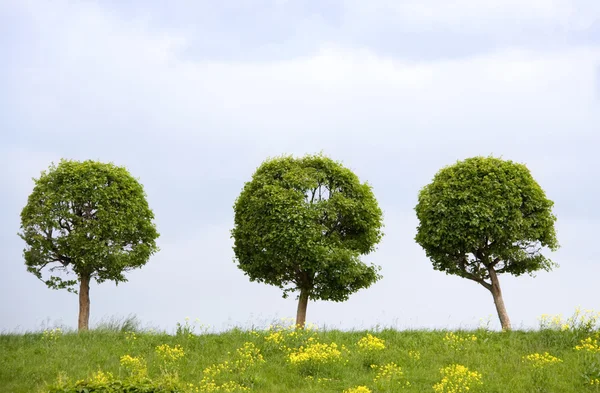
x,y
97,65
468,15
97,85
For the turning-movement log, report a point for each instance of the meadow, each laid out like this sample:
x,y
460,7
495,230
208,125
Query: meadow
x,y
561,356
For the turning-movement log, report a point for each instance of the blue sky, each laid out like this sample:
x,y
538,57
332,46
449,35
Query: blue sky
x,y
192,96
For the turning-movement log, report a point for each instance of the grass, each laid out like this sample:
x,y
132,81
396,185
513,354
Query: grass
x,y
30,362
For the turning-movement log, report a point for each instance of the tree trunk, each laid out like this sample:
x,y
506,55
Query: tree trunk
x,y
497,294
301,313
84,302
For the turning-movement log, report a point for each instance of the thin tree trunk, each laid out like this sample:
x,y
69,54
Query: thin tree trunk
x,y
497,295
301,313
84,302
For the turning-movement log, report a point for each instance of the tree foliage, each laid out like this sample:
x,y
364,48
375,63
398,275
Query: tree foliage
x,y
485,216
301,224
485,211
87,218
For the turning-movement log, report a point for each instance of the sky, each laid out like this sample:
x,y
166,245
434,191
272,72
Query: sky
x,y
192,96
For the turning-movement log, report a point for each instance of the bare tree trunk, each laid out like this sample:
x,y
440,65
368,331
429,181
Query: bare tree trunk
x,y
301,313
497,295
84,303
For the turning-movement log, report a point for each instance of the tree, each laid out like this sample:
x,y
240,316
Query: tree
x,y
301,224
485,216
89,219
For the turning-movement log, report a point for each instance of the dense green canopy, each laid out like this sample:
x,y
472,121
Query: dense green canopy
x,y
87,218
484,216
302,224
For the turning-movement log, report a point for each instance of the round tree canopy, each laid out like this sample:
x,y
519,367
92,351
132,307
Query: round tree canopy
x,y
302,223
90,218
485,212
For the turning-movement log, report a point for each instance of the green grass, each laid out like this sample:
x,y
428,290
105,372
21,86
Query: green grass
x,y
28,362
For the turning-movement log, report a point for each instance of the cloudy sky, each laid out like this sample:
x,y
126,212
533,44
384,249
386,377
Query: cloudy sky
x,y
191,96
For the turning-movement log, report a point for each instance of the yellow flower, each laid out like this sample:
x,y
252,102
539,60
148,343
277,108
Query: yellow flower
x,y
589,344
130,336
540,360
245,357
210,386
457,378
315,352
389,374
52,335
458,342
370,343
136,366
101,377
358,389
586,320
275,337
168,353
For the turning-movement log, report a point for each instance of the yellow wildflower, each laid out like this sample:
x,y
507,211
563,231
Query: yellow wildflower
x,y
414,355
52,335
586,320
370,343
589,344
358,389
457,378
275,337
136,366
315,352
458,342
540,360
389,374
101,377
130,336
247,356
168,353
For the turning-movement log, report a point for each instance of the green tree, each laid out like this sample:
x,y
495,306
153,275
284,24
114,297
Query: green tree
x,y
485,216
89,219
301,224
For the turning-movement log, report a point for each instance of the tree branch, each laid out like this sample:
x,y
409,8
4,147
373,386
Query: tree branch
x,y
494,262
467,274
313,195
478,280
64,224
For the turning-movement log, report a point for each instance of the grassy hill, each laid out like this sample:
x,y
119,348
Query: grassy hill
x,y
559,358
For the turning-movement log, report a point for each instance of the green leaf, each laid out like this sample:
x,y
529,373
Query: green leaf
x,y
485,213
89,219
303,223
